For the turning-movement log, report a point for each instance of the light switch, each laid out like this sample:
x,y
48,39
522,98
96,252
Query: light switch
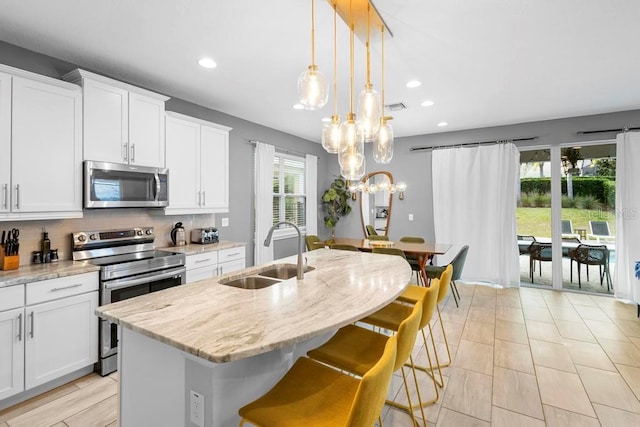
x,y
410,217
225,222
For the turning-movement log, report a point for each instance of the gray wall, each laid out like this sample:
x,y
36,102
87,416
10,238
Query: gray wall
x,y
240,154
414,168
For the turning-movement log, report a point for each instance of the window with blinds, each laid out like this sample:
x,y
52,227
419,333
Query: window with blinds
x,y
289,198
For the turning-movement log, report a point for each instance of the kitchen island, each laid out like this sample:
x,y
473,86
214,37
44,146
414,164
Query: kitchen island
x,y
229,345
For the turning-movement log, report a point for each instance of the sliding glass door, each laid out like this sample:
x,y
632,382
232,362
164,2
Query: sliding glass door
x,y
566,216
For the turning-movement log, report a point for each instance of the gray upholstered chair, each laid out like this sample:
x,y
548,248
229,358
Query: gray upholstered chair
x,y
435,271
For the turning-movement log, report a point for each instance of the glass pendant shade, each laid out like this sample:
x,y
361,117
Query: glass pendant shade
x,y
354,170
369,112
313,88
331,135
383,143
351,144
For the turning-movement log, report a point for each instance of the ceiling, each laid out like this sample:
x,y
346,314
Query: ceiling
x,y
483,63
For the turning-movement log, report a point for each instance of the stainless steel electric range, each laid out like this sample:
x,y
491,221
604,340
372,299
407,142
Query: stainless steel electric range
x,y
129,266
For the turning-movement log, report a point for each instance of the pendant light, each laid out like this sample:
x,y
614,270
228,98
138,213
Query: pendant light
x,y
331,130
369,104
313,88
383,142
351,156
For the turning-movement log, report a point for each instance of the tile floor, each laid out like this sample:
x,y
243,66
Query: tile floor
x,y
525,357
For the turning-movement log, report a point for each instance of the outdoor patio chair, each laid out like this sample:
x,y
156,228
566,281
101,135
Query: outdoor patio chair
x,y
523,246
538,251
567,229
600,231
591,255
567,248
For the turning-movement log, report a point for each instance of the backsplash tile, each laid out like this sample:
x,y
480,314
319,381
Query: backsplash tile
x,y
103,219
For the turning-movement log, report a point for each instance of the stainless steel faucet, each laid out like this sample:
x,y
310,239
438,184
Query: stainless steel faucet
x,y
267,241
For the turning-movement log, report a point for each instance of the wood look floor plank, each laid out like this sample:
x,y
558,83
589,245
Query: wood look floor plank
x,y
98,415
449,418
563,390
503,418
34,403
469,393
517,392
66,406
616,393
556,417
612,417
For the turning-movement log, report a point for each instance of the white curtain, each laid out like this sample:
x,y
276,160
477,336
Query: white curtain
x,y
625,285
311,184
263,202
474,203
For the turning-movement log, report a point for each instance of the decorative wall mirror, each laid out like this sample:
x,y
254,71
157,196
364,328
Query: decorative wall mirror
x,y
375,202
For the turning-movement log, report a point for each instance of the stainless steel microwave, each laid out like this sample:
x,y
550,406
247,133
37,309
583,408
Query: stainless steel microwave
x,y
115,185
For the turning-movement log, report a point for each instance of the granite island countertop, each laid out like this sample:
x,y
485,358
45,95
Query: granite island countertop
x,y
36,272
222,323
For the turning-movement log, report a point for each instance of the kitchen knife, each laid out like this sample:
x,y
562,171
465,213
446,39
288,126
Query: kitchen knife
x,y
4,234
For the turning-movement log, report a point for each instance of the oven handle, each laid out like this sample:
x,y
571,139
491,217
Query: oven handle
x,y
143,278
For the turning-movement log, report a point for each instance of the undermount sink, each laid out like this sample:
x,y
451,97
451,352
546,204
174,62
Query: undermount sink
x,y
250,282
284,271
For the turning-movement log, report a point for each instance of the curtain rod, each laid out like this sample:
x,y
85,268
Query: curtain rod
x,y
279,148
624,129
467,144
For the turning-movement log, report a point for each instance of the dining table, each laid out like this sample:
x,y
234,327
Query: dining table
x,y
424,252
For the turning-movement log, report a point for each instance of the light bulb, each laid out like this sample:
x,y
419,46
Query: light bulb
x,y
351,142
383,143
331,135
313,88
354,168
369,112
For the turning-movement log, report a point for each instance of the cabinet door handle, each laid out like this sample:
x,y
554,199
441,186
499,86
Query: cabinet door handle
x,y
199,199
5,194
17,196
203,260
125,151
76,285
133,153
31,331
20,327
233,254
204,198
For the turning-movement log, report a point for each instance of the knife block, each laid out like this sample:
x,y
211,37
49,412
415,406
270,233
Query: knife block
x,y
8,262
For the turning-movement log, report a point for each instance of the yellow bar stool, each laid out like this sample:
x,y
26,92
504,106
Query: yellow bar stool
x,y
391,316
312,394
415,293
356,350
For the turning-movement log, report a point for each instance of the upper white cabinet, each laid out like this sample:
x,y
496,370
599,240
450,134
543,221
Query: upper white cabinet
x,y
198,163
41,142
122,123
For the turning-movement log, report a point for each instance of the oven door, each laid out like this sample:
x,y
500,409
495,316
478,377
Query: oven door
x,y
114,185
125,288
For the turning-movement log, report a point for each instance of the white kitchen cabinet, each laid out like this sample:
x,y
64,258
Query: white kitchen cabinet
x,y
61,337
47,329
11,341
214,263
41,173
198,163
5,141
122,123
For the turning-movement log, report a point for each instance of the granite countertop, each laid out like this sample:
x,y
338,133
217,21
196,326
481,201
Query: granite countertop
x,y
195,248
36,272
222,323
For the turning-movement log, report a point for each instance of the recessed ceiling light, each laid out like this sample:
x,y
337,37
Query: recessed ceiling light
x,y
414,83
441,124
298,107
207,63
427,103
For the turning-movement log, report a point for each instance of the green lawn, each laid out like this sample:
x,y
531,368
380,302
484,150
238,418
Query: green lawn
x,y
537,221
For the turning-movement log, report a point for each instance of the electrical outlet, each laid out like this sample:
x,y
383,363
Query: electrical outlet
x,y
197,409
410,217
225,222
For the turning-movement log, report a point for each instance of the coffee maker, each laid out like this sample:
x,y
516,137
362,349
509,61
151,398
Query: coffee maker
x,y
178,235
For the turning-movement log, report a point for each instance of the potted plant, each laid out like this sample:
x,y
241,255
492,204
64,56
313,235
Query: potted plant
x,y
335,201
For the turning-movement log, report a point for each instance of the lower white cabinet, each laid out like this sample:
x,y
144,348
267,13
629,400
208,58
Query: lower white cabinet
x,y
47,329
215,263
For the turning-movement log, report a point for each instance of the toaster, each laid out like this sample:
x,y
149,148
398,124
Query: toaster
x,y
204,235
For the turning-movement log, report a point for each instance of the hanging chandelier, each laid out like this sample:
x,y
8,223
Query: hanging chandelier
x,y
347,138
313,88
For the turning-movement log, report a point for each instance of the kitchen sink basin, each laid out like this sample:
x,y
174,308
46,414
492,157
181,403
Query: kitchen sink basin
x,y
250,282
284,271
